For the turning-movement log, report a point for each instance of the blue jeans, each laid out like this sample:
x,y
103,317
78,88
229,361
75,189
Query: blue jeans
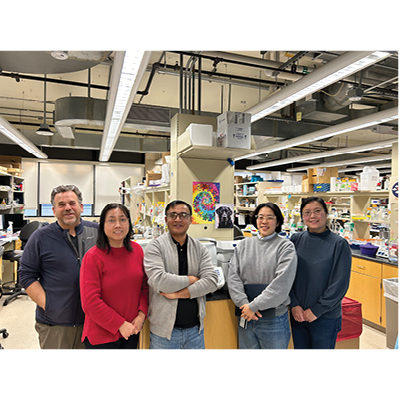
x,y
180,339
319,334
266,333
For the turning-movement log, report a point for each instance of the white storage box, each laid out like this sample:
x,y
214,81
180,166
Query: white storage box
x,y
234,130
199,135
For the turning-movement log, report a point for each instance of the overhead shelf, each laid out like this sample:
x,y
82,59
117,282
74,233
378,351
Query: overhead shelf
x,y
185,148
213,153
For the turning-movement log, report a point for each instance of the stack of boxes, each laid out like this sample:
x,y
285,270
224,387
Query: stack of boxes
x,y
233,131
11,165
318,179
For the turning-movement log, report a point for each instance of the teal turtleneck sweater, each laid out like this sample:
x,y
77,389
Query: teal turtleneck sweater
x,y
323,272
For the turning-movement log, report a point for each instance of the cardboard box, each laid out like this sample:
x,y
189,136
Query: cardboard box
x,y
165,154
321,175
152,176
238,179
234,130
11,161
306,186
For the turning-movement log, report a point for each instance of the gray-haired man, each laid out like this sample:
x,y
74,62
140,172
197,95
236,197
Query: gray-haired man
x,y
50,267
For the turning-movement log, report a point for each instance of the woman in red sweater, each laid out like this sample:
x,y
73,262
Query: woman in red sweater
x,y
113,283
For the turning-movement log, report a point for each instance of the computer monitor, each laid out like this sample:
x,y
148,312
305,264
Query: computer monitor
x,y
47,210
17,220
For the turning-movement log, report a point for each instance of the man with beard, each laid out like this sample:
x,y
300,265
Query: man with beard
x,y
50,267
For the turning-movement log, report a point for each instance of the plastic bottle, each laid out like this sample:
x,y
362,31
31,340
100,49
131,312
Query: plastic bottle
x,y
368,214
351,232
374,212
384,214
10,229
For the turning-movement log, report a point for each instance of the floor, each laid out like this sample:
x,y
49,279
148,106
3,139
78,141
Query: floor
x,y
18,317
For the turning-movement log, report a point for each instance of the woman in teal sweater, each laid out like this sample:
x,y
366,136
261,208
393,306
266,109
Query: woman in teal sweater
x,y
322,280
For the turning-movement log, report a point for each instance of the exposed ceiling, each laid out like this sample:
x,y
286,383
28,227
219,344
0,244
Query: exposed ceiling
x,y
77,85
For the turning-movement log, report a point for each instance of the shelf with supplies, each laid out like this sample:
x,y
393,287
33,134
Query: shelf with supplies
x,y
353,206
151,197
246,196
125,188
12,195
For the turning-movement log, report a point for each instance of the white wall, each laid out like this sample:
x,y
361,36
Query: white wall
x,y
99,182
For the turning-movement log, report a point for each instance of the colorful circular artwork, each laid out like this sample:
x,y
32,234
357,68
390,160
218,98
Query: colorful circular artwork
x,y
205,197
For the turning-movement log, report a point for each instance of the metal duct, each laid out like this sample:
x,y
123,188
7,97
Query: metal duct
x,y
72,111
41,62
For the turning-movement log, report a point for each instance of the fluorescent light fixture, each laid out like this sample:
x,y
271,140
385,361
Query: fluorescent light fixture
x,y
17,137
335,70
127,72
353,125
361,168
313,156
344,162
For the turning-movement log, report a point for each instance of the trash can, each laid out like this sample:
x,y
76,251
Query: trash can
x,y
391,293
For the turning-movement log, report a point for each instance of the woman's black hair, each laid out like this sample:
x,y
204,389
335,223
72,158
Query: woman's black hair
x,y
275,209
308,200
176,203
102,239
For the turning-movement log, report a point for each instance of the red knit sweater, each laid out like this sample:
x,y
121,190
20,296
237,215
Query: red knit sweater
x,y
113,290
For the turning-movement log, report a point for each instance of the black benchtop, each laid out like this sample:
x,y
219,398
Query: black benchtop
x,y
223,294
357,253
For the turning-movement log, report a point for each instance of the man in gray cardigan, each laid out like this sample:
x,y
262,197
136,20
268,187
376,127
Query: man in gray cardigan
x,y
180,274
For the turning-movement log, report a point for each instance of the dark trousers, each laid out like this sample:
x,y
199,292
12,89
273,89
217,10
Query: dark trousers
x,y
122,344
319,334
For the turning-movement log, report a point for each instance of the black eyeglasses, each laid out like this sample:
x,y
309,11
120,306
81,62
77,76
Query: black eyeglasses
x,y
182,215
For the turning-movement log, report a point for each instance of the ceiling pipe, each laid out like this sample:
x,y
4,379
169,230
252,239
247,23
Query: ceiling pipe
x,y
272,68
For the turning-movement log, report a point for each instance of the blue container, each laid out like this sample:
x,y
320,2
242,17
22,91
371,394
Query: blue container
x,y
322,187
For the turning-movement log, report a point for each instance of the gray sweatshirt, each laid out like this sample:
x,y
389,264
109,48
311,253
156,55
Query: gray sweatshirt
x,y
270,261
162,268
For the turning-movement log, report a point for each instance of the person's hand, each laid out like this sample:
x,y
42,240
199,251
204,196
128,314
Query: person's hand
x,y
249,315
192,279
180,294
170,296
138,322
309,315
127,329
298,313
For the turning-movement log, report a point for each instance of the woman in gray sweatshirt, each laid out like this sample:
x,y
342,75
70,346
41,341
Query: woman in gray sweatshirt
x,y
260,276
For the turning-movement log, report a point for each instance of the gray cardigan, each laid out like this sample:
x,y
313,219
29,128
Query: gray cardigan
x,y
162,269
271,261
